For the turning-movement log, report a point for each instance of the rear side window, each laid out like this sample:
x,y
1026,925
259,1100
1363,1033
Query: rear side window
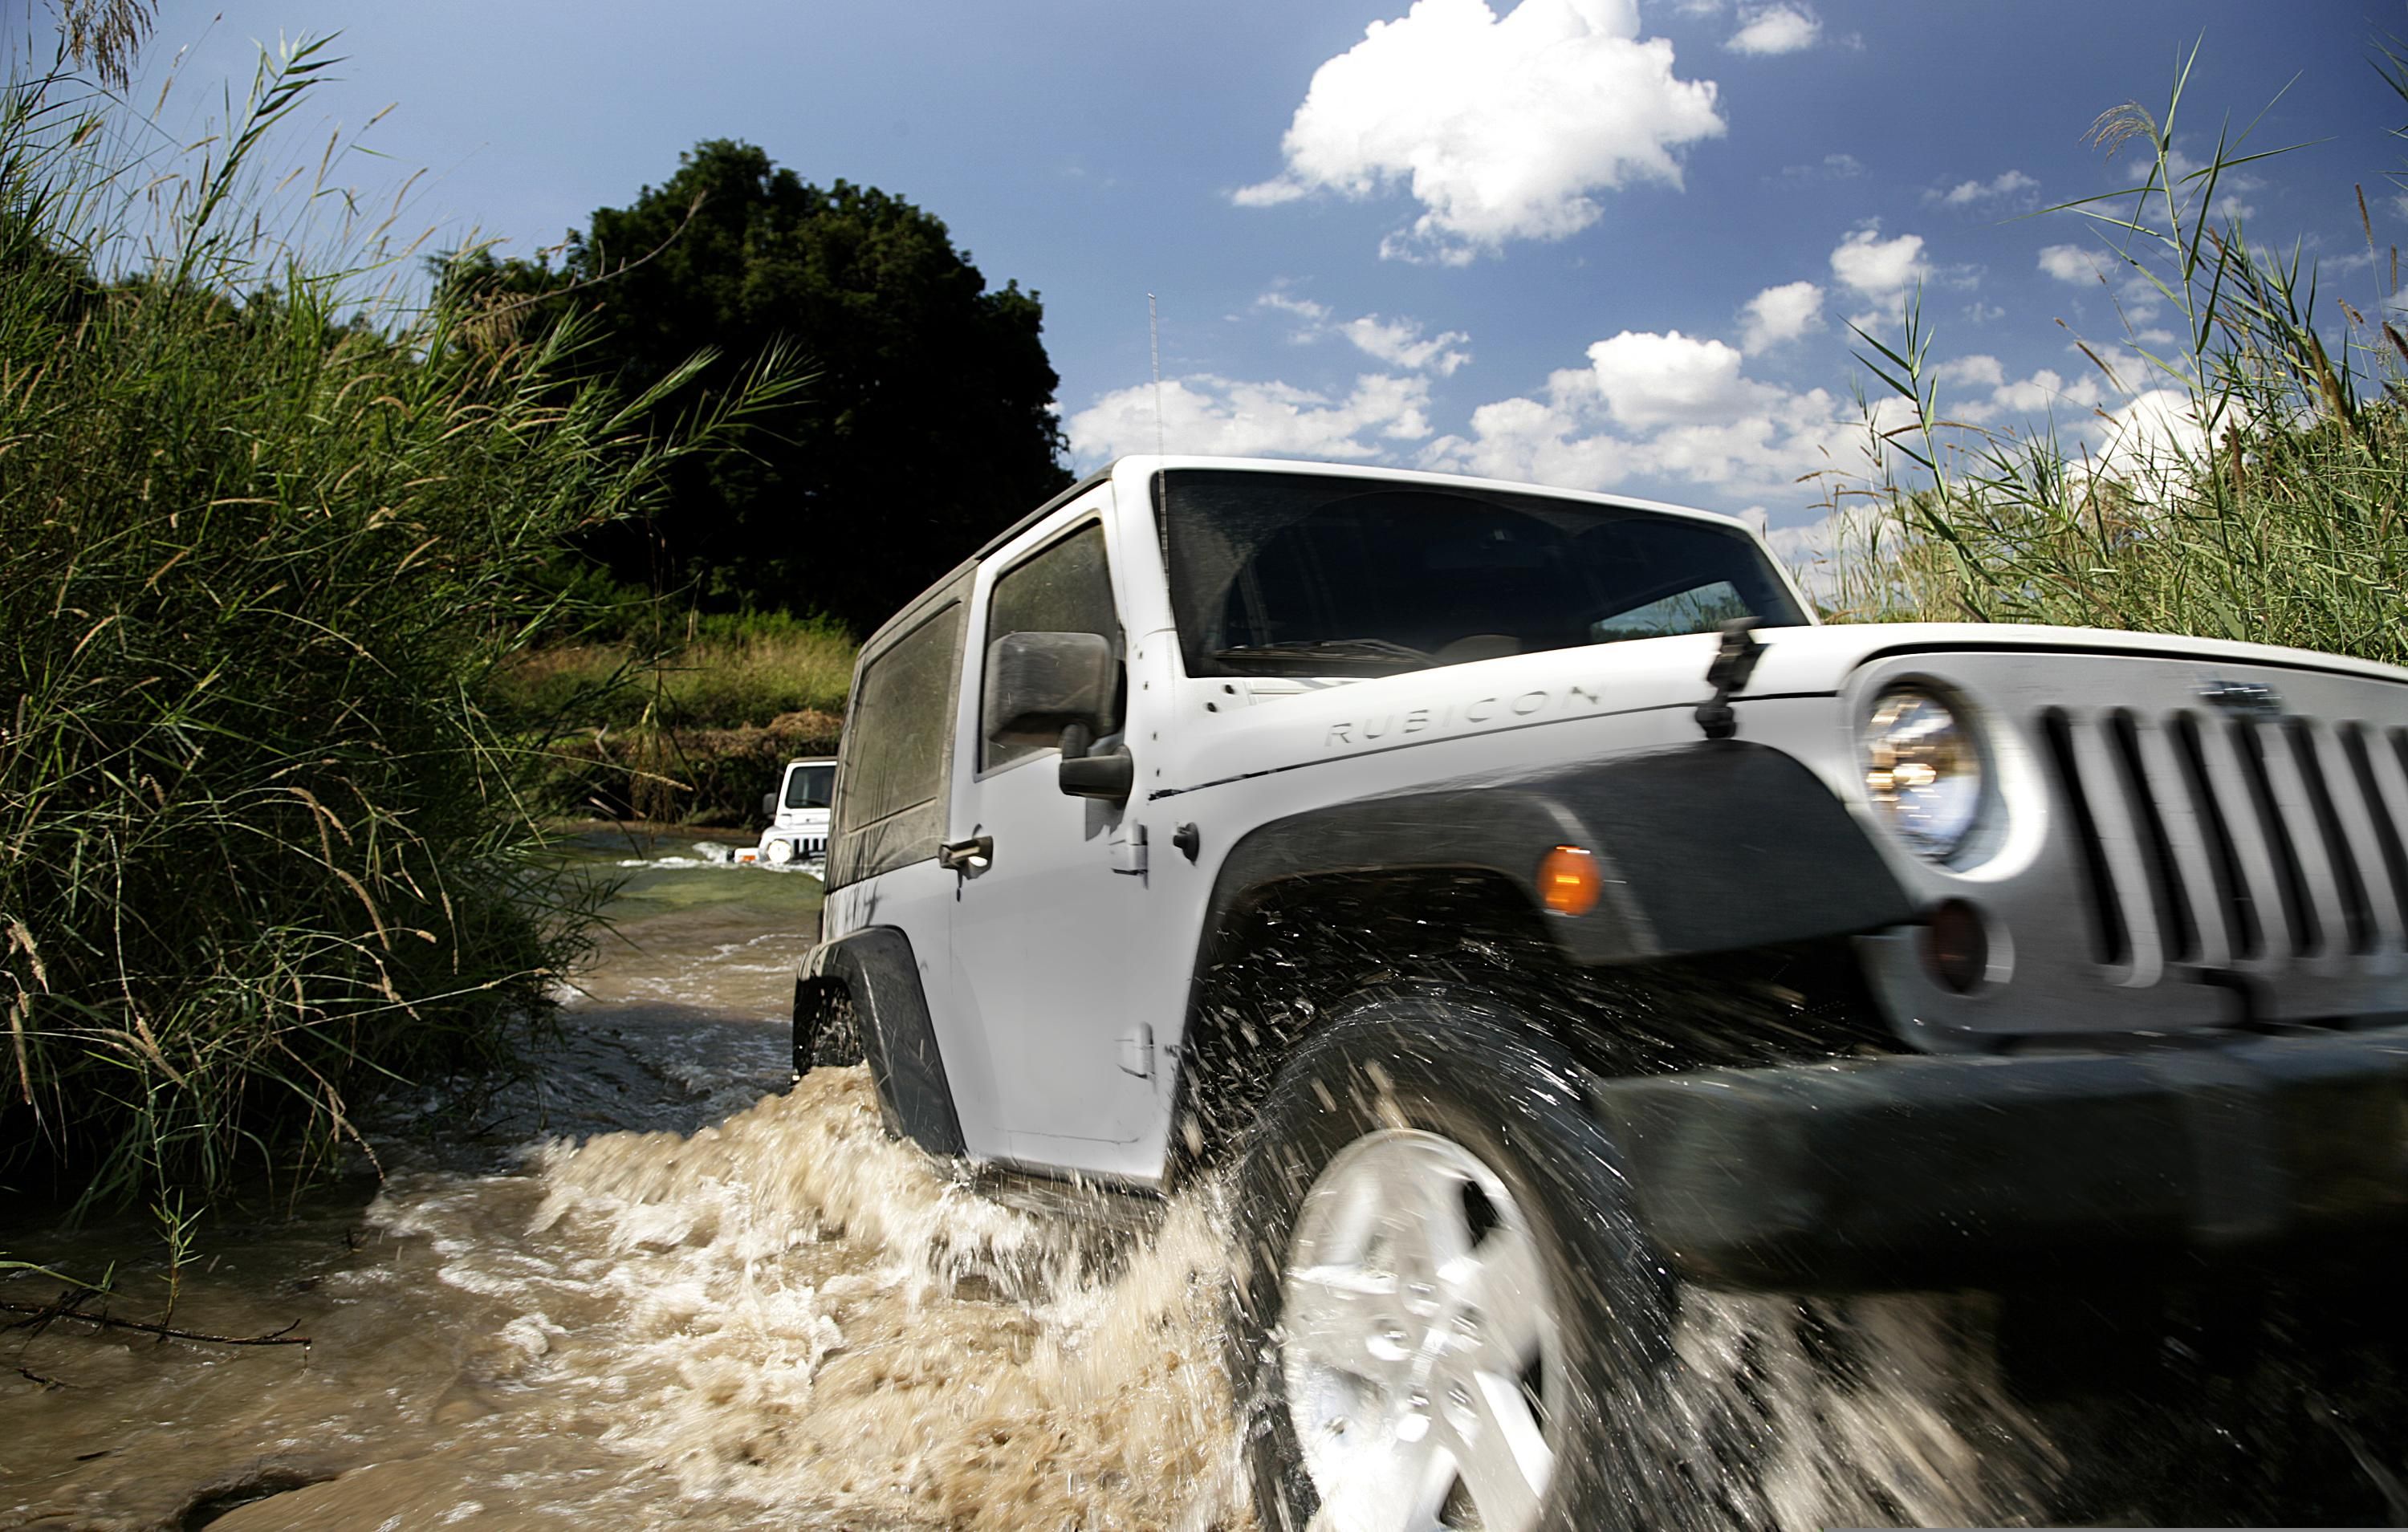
x,y
897,750
1063,588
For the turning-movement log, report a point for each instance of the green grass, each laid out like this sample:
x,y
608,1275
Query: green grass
x,y
265,842
685,719
731,673
2273,514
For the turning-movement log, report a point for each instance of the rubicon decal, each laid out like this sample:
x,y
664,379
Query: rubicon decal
x,y
1480,712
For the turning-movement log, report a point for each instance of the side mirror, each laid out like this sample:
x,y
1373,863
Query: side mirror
x,y
1039,684
768,806
1112,776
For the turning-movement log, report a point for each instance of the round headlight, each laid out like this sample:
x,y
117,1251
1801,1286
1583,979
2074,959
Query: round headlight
x,y
782,852
1923,770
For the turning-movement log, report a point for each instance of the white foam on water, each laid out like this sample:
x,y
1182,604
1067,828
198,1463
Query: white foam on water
x,y
715,853
1874,1411
791,1308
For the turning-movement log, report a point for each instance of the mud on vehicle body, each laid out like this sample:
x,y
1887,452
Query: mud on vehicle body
x,y
1543,911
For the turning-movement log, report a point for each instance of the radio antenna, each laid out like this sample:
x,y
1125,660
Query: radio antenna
x,y
1154,343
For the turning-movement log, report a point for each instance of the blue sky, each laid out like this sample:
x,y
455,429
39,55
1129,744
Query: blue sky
x,y
1591,242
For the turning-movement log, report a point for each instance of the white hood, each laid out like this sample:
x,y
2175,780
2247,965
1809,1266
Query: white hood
x,y
1263,724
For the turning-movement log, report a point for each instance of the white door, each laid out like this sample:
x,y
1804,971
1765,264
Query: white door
x,y
896,774
1042,933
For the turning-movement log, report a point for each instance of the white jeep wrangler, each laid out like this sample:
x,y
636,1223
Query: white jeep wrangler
x,y
799,812
1544,910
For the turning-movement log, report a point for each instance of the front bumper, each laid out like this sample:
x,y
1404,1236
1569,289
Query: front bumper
x,y
1934,1171
802,845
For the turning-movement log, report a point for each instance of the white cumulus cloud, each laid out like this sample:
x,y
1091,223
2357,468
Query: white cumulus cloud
x,y
1880,270
1400,343
1775,29
2071,262
1501,128
1649,379
1781,313
2046,394
2008,186
1663,409
1304,308
1977,370
1830,167
1219,415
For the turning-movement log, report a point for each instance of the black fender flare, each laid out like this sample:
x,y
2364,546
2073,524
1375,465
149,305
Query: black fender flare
x,y
877,971
1716,846
1711,846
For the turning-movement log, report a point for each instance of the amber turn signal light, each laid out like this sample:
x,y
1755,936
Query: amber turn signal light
x,y
1567,881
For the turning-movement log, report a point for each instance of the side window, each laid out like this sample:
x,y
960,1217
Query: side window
x,y
811,787
897,748
1065,588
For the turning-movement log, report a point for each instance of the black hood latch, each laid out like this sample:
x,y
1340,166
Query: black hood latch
x,y
1734,662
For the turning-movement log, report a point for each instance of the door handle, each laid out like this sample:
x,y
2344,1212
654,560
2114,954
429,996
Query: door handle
x,y
971,856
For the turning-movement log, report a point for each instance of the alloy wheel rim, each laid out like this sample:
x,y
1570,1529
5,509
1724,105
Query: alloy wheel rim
x,y
1420,1345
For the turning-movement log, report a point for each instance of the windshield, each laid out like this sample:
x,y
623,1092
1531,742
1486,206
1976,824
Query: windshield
x,y
807,787
1304,574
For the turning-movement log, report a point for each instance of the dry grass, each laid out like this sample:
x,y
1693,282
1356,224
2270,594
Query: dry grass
x,y
738,676
695,731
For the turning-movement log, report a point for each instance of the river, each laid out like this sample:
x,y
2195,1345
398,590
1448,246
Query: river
x,y
651,1285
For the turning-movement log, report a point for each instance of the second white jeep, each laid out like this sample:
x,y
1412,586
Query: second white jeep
x,y
799,812
1542,911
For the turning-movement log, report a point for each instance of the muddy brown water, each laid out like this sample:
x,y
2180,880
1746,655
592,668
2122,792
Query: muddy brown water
x,y
652,1285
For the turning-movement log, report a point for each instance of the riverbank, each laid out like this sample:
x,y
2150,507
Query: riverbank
x,y
690,726
701,777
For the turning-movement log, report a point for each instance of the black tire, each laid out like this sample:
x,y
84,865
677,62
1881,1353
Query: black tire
x,y
1510,1097
827,1029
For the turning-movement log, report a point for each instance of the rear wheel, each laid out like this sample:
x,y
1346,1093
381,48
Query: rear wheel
x,y
1447,1316
827,1027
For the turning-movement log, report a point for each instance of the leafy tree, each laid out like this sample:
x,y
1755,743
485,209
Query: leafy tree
x,y
928,423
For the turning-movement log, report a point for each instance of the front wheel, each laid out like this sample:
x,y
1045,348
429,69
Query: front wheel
x,y
1446,1315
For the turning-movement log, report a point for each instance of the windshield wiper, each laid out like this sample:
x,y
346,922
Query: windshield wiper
x,y
1379,653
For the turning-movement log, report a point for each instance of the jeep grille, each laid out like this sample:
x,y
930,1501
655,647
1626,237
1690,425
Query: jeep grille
x,y
2211,841
2184,844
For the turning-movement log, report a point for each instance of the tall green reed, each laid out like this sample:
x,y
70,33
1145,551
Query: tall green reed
x,y
267,532
2249,486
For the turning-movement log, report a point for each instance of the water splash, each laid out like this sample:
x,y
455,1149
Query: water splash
x,y
1880,1410
791,1308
